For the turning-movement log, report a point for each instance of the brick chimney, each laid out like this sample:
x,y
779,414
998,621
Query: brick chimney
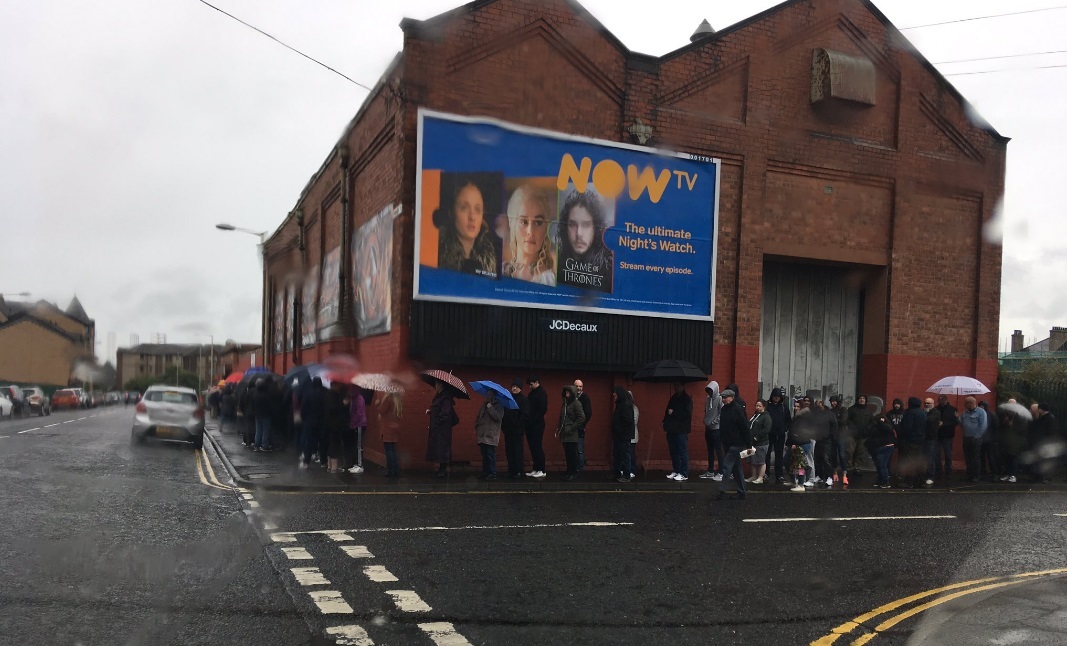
x,y
1017,341
1057,338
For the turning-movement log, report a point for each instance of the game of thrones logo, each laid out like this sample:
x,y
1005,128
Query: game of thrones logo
x,y
583,274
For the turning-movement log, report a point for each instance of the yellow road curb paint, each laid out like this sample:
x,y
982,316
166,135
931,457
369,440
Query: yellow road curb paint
x,y
200,472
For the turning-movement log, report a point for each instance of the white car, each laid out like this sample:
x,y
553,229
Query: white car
x,y
169,413
7,409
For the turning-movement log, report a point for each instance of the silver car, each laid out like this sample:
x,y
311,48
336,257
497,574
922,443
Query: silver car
x,y
170,413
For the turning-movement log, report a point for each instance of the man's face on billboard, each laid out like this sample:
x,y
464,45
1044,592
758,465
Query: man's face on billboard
x,y
580,230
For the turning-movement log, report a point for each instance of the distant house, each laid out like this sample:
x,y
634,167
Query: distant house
x,y
157,359
41,343
1054,348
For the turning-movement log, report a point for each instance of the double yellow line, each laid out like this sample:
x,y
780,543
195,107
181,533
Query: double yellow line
x,y
962,589
203,462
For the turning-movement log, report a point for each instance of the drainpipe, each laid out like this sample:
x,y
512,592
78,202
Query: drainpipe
x,y
344,314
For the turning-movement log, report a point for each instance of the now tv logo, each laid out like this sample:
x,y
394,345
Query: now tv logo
x,y
610,179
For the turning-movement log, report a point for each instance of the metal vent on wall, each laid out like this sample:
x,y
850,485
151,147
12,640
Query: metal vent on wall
x,y
836,76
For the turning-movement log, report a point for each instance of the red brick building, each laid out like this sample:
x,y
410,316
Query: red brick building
x,y
855,184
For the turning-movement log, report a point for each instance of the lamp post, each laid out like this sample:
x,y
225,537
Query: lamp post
x,y
262,235
19,294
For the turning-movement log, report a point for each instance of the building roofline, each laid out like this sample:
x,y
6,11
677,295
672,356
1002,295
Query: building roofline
x,y
28,317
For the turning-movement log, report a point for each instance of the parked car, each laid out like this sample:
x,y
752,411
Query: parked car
x,y
169,413
18,400
7,409
37,400
66,398
83,397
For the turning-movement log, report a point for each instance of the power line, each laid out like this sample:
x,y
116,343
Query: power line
x,y
993,58
317,62
1011,69
999,15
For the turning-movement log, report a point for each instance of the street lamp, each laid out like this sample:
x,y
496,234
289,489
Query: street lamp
x,y
19,294
261,249
262,235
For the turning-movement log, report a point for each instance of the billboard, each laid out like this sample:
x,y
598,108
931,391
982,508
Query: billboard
x,y
308,308
278,324
509,215
329,299
372,272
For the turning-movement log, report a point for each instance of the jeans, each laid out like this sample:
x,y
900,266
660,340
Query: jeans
x,y
309,440
944,446
972,453
262,439
930,449
535,436
733,467
348,455
581,451
392,461
824,459
514,451
809,460
678,443
840,453
716,455
633,458
488,459
989,457
570,450
620,450
882,456
777,451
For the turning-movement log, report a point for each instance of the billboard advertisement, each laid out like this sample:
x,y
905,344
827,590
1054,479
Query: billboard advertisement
x,y
330,299
309,306
509,215
278,324
372,271
290,311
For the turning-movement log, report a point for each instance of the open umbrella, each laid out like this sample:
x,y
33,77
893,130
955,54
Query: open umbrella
x,y
670,371
234,377
340,367
448,379
377,382
958,385
484,387
1018,410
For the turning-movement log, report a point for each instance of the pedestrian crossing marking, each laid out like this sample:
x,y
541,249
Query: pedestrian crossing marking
x,y
357,551
283,538
408,601
297,554
309,576
379,574
330,602
349,636
444,634
339,537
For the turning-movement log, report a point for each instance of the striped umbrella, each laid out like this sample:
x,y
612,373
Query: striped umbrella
x,y
448,379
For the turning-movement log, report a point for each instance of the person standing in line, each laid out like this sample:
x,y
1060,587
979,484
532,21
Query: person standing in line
x,y
1012,443
514,426
229,408
712,409
759,425
975,425
587,408
733,425
930,446
895,416
839,443
824,426
312,418
989,454
263,410
390,411
946,436
803,436
677,420
357,425
443,418
912,463
487,432
1046,444
535,426
336,416
780,425
860,423
622,433
881,443
633,442
571,417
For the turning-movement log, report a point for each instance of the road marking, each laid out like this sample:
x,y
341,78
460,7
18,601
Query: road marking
x,y
309,576
1060,515
297,554
211,472
247,496
357,551
441,529
200,471
70,421
28,430
339,536
252,504
842,519
283,538
379,574
444,634
408,601
858,622
81,418
330,602
51,425
269,526
349,636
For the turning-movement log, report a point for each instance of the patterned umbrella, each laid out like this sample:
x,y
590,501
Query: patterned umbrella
x,y
377,382
447,378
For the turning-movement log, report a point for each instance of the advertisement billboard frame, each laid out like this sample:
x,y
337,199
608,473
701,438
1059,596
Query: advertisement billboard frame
x,y
423,113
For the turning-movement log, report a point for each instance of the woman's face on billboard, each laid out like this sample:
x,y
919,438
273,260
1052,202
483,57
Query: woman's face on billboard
x,y
468,210
533,226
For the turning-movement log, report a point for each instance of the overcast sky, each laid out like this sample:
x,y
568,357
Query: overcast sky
x,y
128,129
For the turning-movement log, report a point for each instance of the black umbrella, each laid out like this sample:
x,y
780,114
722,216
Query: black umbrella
x,y
670,371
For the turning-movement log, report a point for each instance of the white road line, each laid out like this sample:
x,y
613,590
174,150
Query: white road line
x,y
349,636
408,601
269,526
1060,515
247,496
804,520
357,551
70,421
297,554
252,504
30,429
441,529
283,538
444,634
309,576
51,425
330,602
339,536
379,574
81,418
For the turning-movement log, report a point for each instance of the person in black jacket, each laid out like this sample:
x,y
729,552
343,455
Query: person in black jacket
x,y
780,426
824,430
335,423
622,432
514,425
989,453
228,408
263,411
881,442
535,426
911,437
312,419
931,445
677,420
946,436
736,437
587,408
1045,443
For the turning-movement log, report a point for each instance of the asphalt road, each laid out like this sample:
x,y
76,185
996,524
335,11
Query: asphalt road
x,y
101,544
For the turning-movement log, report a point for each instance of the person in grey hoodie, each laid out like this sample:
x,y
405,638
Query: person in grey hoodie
x,y
712,410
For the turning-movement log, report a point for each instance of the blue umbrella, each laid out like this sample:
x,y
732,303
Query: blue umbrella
x,y
483,388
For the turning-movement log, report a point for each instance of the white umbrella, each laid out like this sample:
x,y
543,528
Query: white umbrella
x,y
1016,409
958,385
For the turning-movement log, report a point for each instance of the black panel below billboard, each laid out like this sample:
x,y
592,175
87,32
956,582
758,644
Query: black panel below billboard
x,y
489,335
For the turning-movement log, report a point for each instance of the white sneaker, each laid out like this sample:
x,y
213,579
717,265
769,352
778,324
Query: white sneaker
x,y
632,476
707,475
672,475
817,480
356,469
1004,478
717,477
680,478
1011,478
750,479
301,465
830,481
810,484
797,489
539,474
532,474
929,482
758,481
